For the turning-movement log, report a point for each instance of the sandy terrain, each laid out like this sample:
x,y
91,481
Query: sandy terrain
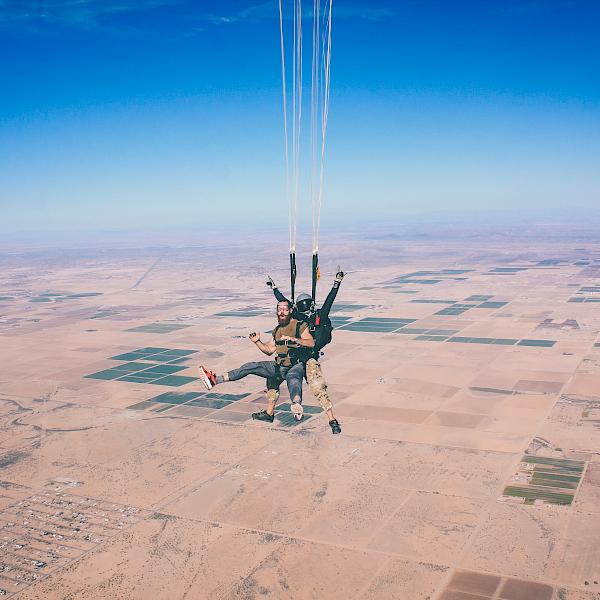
x,y
465,374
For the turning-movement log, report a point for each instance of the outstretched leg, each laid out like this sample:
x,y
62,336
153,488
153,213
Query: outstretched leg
x,y
265,369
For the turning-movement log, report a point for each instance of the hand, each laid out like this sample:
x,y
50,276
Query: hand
x,y
339,275
254,337
270,282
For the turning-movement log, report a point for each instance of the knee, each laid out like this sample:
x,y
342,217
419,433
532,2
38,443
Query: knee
x,y
313,371
317,386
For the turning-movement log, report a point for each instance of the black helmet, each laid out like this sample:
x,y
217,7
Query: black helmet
x,y
304,303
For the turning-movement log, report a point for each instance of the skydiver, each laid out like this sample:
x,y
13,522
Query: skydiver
x,y
287,335
319,326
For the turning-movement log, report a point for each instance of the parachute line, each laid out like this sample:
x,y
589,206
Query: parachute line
x,y
314,110
319,116
297,113
291,216
324,119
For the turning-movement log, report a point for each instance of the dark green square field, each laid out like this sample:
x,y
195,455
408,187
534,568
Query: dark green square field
x,y
108,374
176,397
173,380
540,343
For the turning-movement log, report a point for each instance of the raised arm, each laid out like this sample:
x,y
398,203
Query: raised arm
x,y
280,297
332,294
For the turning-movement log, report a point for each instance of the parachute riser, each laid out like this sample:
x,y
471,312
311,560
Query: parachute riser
x,y
315,276
293,272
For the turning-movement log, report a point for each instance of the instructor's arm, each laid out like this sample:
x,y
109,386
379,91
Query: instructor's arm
x,y
280,297
332,294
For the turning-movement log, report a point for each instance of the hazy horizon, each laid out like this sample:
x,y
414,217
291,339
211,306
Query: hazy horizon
x,y
511,225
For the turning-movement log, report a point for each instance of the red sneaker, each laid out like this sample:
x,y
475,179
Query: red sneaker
x,y
208,378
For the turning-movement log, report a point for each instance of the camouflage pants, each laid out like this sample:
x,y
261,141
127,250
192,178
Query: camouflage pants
x,y
317,384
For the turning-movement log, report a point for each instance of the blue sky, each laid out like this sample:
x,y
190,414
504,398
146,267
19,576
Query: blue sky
x,y
119,113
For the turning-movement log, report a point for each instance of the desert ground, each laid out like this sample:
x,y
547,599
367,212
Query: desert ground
x,y
464,370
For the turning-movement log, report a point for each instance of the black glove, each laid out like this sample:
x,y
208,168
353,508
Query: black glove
x,y
270,282
339,276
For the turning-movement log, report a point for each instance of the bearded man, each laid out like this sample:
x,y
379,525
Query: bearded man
x,y
290,334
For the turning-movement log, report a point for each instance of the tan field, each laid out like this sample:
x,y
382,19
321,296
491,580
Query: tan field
x,y
465,374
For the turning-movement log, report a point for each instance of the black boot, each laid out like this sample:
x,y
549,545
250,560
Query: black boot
x,y
263,415
335,426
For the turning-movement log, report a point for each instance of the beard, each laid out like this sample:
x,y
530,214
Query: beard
x,y
283,321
